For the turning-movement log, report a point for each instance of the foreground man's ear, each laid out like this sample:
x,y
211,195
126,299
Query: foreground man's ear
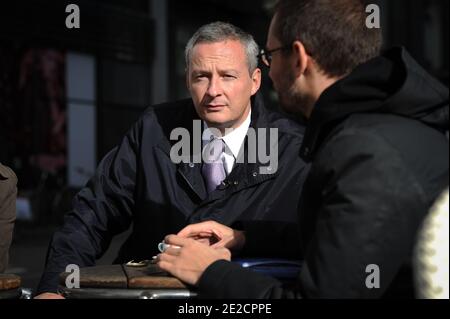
x,y
301,58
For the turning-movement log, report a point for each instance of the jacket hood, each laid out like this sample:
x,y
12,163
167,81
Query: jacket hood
x,y
392,83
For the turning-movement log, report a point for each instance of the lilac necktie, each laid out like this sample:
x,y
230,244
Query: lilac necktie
x,y
213,169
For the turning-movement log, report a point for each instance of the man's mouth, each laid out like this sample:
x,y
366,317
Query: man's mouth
x,y
214,106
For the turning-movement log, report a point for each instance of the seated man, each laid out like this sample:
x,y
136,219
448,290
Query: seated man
x,y
380,157
8,193
145,182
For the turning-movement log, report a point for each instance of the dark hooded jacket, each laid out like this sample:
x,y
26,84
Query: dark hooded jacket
x,y
380,158
137,184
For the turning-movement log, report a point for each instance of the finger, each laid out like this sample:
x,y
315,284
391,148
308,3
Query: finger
x,y
173,250
212,236
166,258
191,231
220,244
205,235
177,240
196,229
166,239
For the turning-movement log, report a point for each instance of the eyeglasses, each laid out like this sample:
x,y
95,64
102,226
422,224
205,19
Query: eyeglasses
x,y
266,55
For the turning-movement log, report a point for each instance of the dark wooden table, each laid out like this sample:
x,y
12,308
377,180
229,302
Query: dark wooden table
x,y
122,281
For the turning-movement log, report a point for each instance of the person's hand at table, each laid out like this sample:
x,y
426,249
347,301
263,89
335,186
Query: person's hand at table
x,y
190,259
49,295
216,235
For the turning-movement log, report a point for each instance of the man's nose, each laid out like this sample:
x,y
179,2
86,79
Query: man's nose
x,y
215,87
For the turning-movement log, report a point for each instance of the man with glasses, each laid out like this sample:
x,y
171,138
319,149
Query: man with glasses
x,y
266,55
376,140
142,184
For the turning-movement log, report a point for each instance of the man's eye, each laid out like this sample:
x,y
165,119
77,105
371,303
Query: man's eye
x,y
229,76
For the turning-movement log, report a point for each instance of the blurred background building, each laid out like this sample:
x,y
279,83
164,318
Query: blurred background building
x,y
67,96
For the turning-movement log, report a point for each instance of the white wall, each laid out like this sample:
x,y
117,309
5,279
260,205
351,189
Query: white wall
x,y
81,115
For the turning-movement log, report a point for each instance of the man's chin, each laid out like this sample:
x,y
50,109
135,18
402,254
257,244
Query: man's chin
x,y
293,107
217,120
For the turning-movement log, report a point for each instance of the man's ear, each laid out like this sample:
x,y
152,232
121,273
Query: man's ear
x,y
301,58
256,81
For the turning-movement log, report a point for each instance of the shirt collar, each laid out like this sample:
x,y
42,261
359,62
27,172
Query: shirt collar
x,y
236,137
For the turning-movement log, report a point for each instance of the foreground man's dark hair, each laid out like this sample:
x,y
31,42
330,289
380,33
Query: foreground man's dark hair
x,y
334,32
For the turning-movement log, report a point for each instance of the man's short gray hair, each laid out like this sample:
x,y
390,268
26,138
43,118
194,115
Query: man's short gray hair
x,y
221,31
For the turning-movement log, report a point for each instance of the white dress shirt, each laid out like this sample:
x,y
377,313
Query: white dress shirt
x,y
233,141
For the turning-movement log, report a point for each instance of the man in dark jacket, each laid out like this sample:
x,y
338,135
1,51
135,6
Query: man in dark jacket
x,y
139,183
8,193
376,140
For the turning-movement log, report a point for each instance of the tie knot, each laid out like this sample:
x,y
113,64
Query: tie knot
x,y
213,150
